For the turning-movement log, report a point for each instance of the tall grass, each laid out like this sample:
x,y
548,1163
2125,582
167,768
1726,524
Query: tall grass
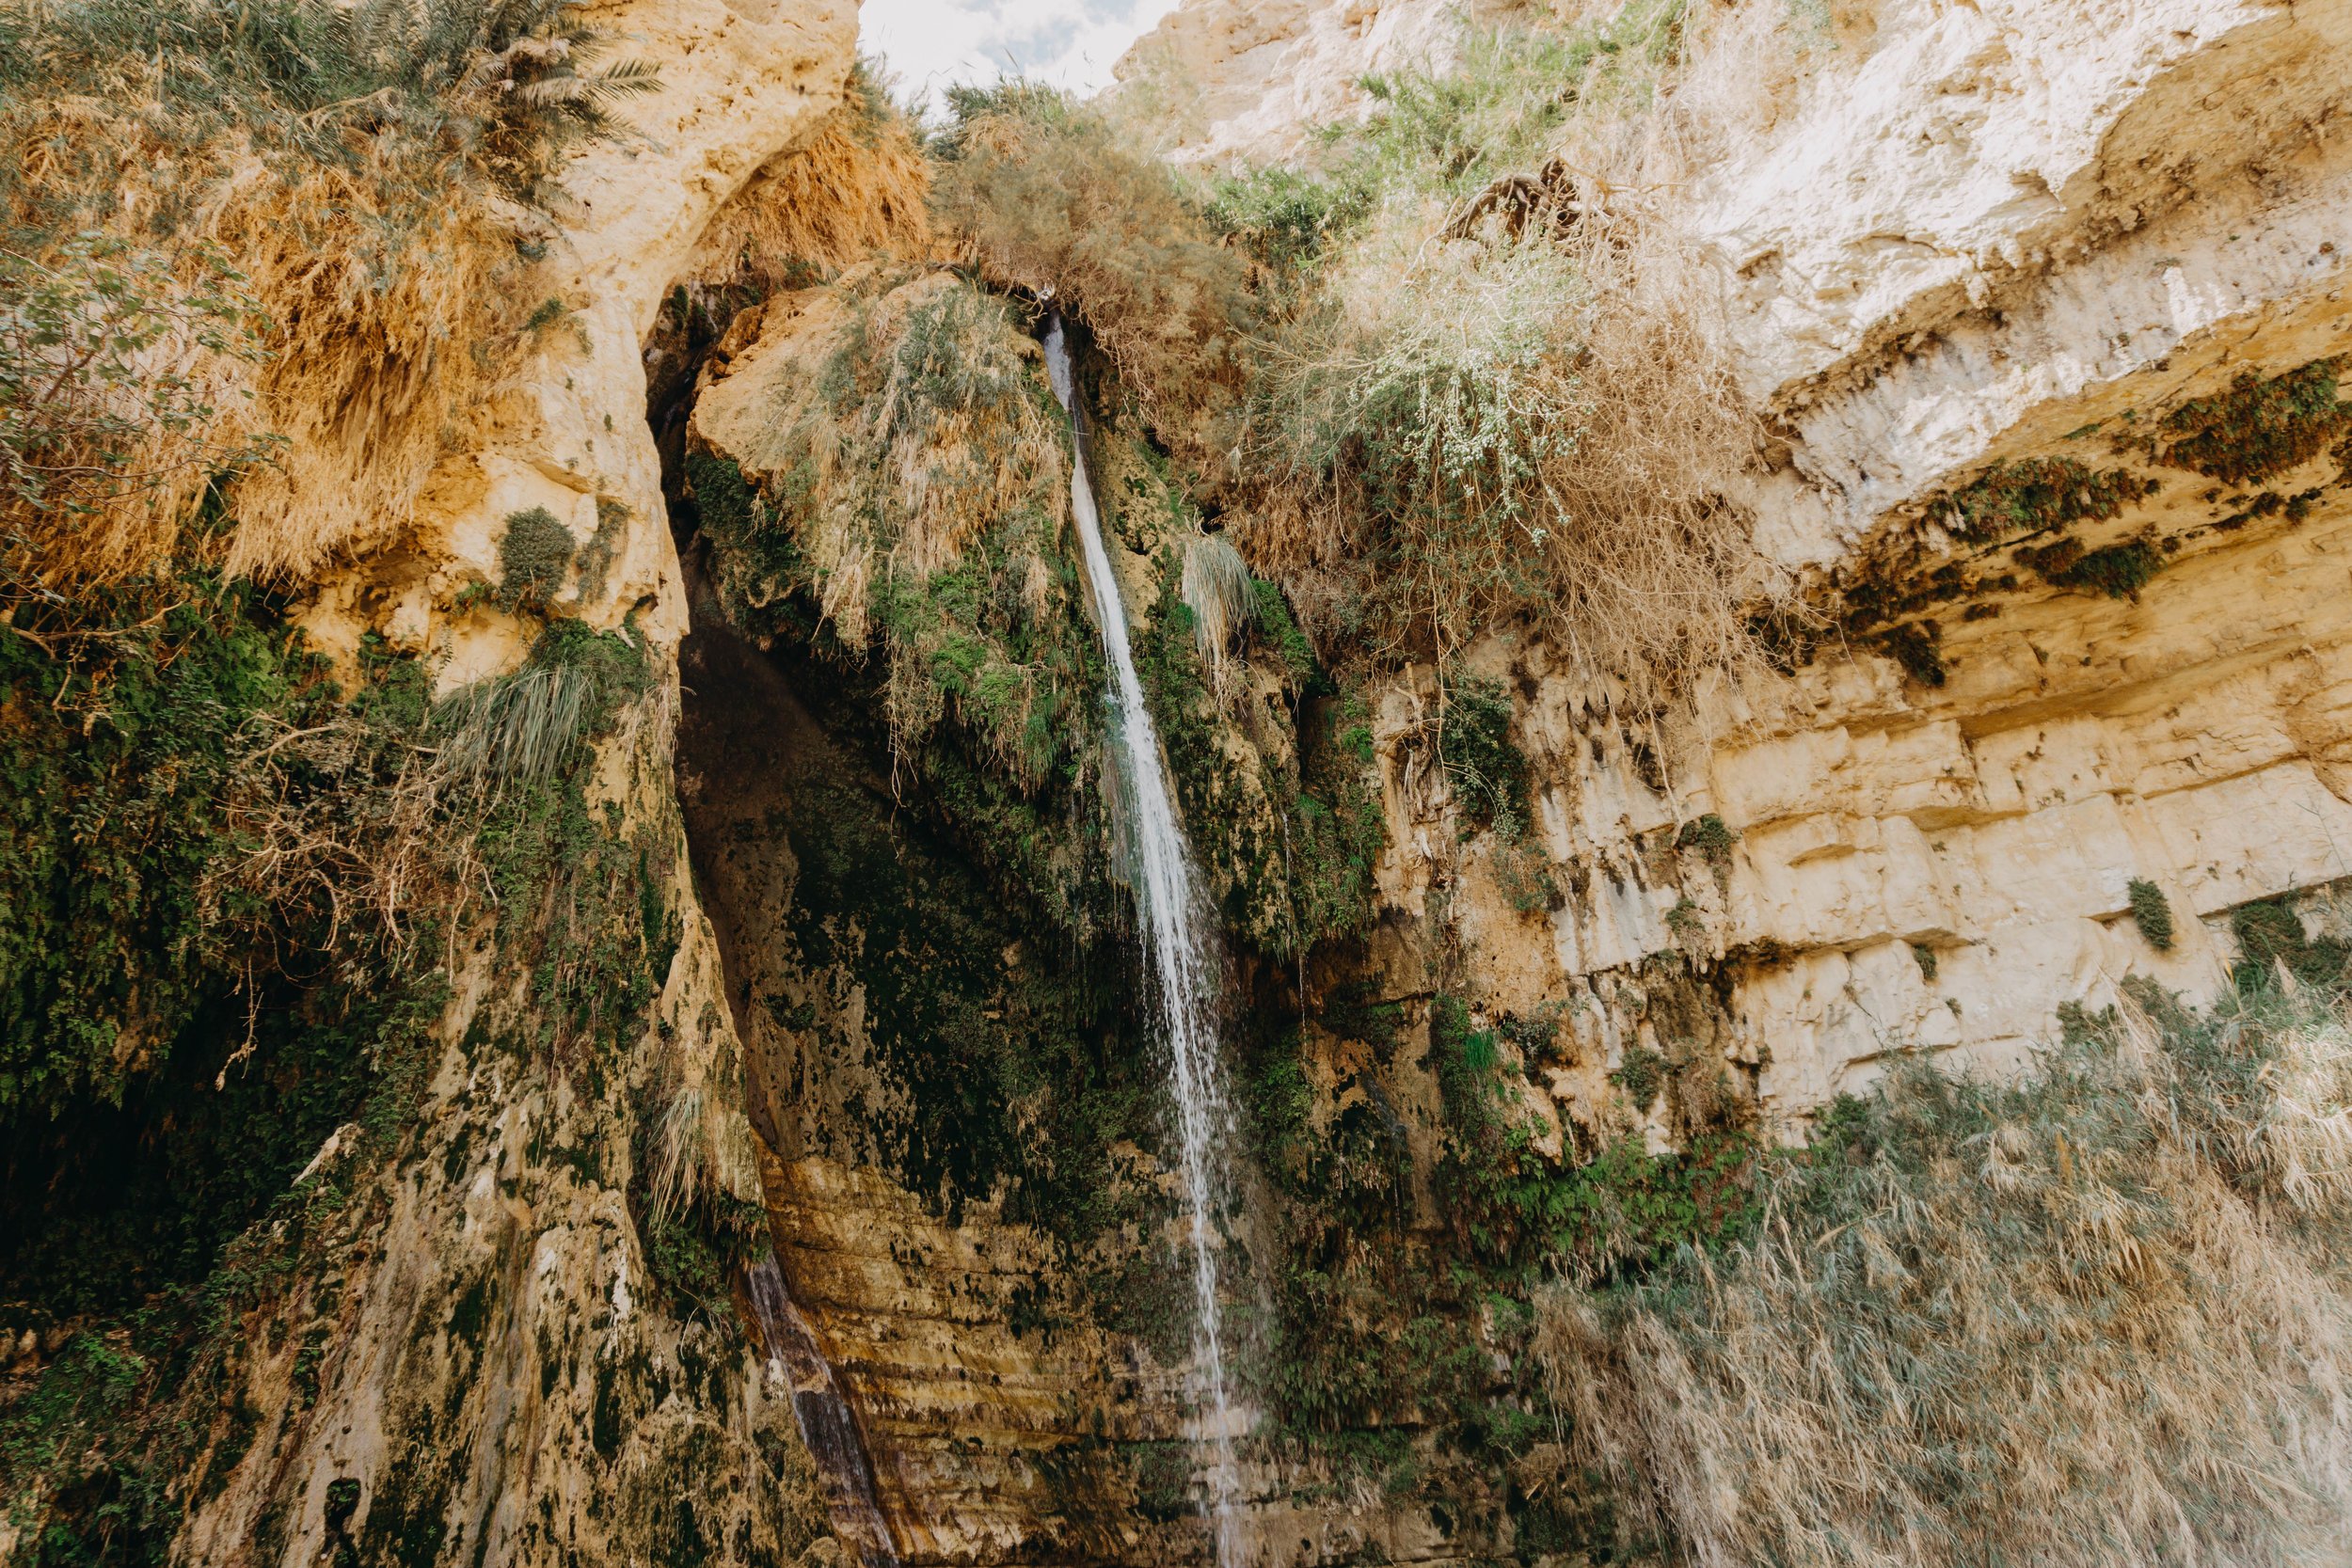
x,y
2099,1315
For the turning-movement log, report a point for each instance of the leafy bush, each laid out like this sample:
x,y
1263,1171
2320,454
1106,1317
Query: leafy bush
x,y
2152,912
1486,767
2099,1313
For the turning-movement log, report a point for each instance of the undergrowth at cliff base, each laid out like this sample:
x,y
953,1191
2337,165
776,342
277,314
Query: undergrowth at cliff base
x,y
2099,1311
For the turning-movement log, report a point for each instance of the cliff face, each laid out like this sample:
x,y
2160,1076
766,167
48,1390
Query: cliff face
x,y
474,1360
2040,265
2046,306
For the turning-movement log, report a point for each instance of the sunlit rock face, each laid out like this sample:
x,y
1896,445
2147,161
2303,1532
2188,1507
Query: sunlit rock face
x,y
1249,83
2100,246
482,1368
2075,268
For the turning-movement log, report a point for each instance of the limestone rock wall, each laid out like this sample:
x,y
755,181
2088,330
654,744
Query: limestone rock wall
x,y
1958,239
1232,81
742,81
473,1362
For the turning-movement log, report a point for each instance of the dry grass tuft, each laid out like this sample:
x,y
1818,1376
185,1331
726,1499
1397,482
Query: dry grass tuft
x,y
1467,432
1504,391
395,326
2101,1315
359,167
1042,199
859,189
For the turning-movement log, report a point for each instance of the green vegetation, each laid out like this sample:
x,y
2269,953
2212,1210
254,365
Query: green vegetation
x,y
131,792
2259,427
1709,836
534,557
2097,1310
1486,767
1289,852
2037,494
2272,943
2118,570
917,515
2152,912
1623,1210
227,885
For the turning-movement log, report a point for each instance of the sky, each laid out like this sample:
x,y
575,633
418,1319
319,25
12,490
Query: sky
x,y
1069,43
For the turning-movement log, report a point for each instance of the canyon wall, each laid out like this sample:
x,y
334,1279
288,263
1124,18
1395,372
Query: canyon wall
x,y
2045,305
473,1360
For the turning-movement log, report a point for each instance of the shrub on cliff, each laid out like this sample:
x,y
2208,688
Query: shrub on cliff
x,y
2100,1314
346,176
1042,199
1503,392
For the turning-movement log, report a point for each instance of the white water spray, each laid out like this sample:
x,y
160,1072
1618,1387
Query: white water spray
x,y
1167,908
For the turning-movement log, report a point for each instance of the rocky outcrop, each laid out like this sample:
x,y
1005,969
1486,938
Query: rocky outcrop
x,y
742,83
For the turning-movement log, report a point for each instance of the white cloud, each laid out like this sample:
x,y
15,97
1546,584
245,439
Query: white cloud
x,y
1069,43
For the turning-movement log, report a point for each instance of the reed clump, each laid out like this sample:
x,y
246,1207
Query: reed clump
x,y
1502,390
2099,1314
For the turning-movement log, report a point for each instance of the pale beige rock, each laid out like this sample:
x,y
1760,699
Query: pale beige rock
x,y
1236,81
742,81
1957,236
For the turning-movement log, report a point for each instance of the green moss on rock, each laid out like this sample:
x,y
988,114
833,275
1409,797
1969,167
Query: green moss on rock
x,y
2260,427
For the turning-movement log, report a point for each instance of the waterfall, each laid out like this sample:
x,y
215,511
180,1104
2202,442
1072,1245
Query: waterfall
x,y
827,1426
1176,950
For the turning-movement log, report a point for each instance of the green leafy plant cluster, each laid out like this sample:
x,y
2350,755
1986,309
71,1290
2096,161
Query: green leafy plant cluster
x,y
2152,912
2036,494
579,889
195,991
2118,570
120,748
1291,850
534,558
2271,939
1486,767
2258,427
1621,1211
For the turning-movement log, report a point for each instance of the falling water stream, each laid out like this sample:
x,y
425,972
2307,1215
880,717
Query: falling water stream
x,y
1182,964
827,1426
